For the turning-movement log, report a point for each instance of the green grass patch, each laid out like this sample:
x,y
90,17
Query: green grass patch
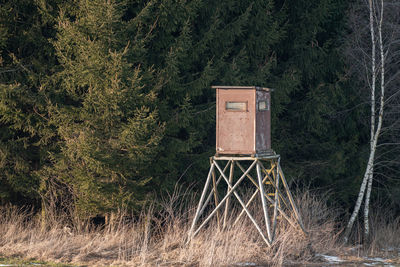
x,y
10,261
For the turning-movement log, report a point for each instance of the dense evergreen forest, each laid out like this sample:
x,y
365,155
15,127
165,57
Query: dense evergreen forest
x,y
105,104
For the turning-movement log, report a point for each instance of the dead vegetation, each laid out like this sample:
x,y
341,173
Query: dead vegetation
x,y
159,238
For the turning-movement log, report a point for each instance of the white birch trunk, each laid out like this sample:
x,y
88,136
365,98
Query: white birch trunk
x,y
366,205
382,70
360,196
373,88
368,175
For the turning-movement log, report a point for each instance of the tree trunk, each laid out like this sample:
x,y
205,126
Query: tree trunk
x,y
373,87
368,175
360,196
366,205
382,69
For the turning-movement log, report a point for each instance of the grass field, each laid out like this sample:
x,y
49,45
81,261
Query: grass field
x,y
158,238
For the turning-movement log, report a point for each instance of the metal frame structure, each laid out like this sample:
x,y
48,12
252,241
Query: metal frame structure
x,y
270,185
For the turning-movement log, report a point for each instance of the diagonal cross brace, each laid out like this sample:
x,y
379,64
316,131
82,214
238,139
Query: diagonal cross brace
x,y
211,193
292,223
278,176
220,204
266,239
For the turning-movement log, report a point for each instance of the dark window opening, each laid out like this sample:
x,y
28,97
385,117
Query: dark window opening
x,y
263,105
236,106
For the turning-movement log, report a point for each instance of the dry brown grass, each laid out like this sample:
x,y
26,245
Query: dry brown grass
x,y
159,238
384,239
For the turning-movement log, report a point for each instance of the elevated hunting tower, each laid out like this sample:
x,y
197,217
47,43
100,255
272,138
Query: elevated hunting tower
x,y
243,139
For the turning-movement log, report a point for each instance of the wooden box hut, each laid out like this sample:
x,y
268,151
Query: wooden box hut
x,y
243,120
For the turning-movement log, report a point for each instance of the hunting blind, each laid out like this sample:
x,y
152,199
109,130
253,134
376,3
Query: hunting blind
x,y
243,141
243,120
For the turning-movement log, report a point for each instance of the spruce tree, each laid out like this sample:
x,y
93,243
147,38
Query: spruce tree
x,y
118,105
106,116
315,125
195,45
26,57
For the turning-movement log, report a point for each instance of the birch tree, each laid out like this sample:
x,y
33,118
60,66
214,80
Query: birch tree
x,y
374,56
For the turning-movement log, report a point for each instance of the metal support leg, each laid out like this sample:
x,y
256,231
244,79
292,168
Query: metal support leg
x,y
277,195
296,211
227,200
197,215
224,199
263,201
215,192
211,193
269,171
271,181
232,189
271,201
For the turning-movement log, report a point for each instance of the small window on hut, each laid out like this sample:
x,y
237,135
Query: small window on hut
x,y
236,106
263,105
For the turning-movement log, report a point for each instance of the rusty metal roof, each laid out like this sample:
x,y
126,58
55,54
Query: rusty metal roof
x,y
241,87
